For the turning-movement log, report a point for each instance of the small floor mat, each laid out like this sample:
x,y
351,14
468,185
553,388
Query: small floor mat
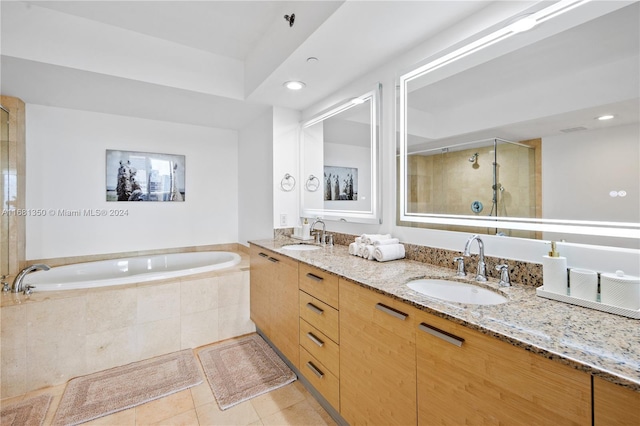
x,y
96,395
31,411
240,369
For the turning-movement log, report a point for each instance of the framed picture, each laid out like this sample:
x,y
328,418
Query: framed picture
x,y
340,183
144,176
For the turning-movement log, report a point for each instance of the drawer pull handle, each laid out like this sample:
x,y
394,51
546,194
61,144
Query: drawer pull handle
x,y
263,254
393,312
273,259
314,308
447,337
315,370
315,340
314,277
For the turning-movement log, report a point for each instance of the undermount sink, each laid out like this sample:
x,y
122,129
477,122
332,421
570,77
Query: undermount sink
x,y
301,247
454,291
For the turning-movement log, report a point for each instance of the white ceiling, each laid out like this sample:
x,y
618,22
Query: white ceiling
x,y
349,38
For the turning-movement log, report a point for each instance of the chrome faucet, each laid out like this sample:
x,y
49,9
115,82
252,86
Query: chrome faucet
x,y
319,238
17,283
481,274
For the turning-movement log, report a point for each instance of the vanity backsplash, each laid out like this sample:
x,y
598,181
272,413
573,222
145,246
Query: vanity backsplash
x,y
524,273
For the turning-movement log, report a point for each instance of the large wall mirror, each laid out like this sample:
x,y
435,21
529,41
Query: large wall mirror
x,y
535,135
340,161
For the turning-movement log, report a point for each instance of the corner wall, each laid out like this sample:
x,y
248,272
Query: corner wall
x,y
66,170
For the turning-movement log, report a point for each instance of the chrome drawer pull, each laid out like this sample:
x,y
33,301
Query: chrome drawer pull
x,y
447,337
314,308
315,370
393,312
315,340
263,254
314,277
273,259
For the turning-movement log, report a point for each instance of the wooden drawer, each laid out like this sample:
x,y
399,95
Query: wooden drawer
x,y
320,284
320,378
371,307
320,315
320,346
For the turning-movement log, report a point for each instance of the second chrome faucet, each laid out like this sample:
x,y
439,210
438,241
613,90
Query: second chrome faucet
x,y
481,273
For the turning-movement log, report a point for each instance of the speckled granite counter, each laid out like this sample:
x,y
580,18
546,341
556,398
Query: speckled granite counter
x,y
598,343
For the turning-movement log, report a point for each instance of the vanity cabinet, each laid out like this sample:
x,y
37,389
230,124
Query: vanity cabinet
x,y
614,405
274,300
377,358
319,332
467,377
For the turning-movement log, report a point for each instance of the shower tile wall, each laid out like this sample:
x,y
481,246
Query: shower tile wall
x,y
73,333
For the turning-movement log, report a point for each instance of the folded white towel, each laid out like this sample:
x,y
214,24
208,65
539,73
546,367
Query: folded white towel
x,y
367,253
388,252
369,238
386,242
353,249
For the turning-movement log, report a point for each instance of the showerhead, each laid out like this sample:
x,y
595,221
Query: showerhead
x,y
473,158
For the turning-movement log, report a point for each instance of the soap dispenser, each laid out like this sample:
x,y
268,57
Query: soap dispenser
x,y
554,272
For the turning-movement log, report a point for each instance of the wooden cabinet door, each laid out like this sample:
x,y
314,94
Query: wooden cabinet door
x,y
466,377
377,358
260,275
284,327
614,405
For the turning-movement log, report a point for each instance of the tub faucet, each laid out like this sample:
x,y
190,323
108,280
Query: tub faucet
x,y
481,274
17,283
321,239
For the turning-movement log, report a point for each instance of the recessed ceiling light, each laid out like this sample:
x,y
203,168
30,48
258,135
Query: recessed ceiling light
x,y
294,85
605,117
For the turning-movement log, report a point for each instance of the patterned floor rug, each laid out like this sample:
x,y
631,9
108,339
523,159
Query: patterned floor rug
x,y
31,411
109,391
238,370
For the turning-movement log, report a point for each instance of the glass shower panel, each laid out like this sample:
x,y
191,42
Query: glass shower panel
x,y
4,188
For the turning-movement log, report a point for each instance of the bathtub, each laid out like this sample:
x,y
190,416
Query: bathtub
x,y
130,270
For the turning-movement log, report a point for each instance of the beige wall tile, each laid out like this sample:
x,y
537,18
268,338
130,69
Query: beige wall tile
x,y
198,295
12,329
110,310
234,321
111,348
157,302
158,337
13,371
55,321
199,329
234,289
55,362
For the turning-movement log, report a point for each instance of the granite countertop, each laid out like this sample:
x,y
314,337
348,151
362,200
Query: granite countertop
x,y
599,343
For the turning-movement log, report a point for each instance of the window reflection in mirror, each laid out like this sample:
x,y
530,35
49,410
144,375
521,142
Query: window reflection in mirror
x,y
340,162
548,85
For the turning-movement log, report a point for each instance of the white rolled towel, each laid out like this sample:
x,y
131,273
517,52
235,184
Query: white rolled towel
x,y
359,240
360,251
368,251
370,238
353,249
388,252
386,242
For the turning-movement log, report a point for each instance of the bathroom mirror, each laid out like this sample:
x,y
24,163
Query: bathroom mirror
x,y
503,136
340,161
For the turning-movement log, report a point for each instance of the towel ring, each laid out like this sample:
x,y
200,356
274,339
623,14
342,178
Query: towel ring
x,y
312,184
287,183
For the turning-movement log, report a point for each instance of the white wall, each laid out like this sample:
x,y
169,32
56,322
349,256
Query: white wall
x,y
255,171
66,170
586,256
286,123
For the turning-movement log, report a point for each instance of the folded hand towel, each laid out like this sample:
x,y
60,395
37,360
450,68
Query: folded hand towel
x,y
369,238
387,252
386,241
368,251
353,249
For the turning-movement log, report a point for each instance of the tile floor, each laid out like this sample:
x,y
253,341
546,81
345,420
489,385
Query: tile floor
x,y
289,405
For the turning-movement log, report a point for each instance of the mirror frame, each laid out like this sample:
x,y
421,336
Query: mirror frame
x,y
582,227
374,214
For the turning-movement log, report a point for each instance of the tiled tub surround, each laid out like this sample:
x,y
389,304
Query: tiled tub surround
x,y
598,343
49,338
